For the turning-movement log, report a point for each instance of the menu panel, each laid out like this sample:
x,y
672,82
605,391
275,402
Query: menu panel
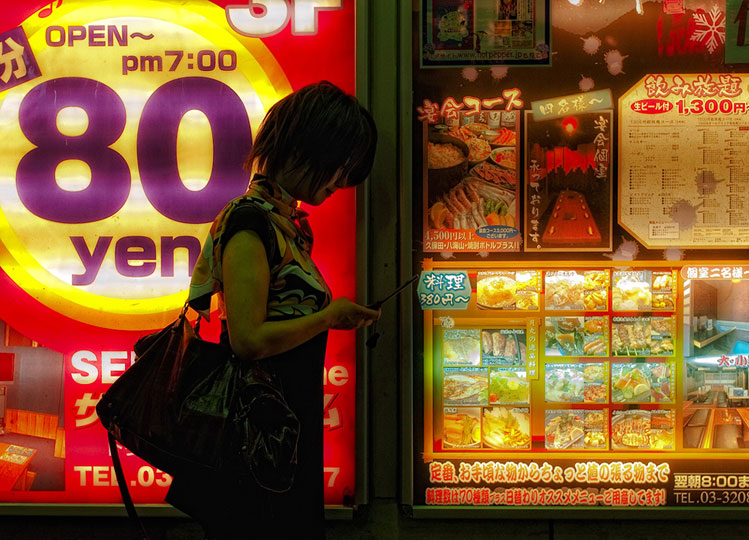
x,y
568,200
621,388
596,360
683,160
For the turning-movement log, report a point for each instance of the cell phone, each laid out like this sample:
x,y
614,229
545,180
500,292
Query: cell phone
x,y
400,288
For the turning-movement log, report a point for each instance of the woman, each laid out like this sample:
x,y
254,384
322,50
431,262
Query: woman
x,y
273,302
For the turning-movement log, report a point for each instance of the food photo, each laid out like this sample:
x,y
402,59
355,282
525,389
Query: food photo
x,y
471,181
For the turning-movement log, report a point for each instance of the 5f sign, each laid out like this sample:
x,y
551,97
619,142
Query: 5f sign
x,y
267,18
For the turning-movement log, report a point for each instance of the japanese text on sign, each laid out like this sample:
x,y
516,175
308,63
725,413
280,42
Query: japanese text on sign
x,y
17,61
535,201
545,497
433,113
547,109
444,290
715,272
704,85
740,360
509,472
601,141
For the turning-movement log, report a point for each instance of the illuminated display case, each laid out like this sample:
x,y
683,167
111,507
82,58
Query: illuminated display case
x,y
599,362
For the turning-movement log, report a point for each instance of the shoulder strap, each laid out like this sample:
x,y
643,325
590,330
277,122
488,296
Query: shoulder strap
x,y
124,492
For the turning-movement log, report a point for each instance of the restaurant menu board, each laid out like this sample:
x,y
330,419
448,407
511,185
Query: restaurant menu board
x,y
124,129
471,193
593,354
618,406
683,160
485,32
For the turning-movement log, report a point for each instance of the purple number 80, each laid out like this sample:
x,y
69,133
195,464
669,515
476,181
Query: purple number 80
x,y
110,182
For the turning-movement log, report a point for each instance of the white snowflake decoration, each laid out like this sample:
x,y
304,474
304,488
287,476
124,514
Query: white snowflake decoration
x,y
673,254
710,28
586,84
591,44
499,72
470,74
615,61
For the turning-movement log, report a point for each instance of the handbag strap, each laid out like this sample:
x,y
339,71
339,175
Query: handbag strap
x,y
124,492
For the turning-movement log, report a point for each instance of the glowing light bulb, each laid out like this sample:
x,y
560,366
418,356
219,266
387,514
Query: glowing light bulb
x,y
575,2
638,6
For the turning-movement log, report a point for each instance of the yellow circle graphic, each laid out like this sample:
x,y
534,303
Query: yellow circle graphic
x,y
127,269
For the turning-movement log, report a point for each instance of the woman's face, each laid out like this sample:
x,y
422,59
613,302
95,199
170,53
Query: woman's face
x,y
294,182
325,191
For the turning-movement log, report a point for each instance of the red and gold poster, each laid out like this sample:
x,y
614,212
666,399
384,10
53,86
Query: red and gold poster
x,y
124,126
471,197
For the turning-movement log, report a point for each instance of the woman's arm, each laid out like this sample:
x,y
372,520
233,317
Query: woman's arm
x,y
246,283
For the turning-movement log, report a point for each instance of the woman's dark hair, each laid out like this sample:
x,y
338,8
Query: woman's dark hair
x,y
315,131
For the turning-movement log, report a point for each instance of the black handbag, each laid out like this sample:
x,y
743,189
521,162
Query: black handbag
x,y
172,408
187,404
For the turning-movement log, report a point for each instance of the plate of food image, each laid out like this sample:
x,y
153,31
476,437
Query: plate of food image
x,y
496,292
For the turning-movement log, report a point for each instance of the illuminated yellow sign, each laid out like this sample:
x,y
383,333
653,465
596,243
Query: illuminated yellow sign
x,y
118,156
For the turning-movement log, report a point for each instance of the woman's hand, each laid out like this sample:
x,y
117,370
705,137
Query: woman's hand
x,y
343,314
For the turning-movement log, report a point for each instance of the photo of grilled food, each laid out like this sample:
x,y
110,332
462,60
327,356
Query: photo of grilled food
x,y
631,337
631,429
498,344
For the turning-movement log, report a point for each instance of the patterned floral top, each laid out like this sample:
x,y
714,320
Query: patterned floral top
x,y
296,286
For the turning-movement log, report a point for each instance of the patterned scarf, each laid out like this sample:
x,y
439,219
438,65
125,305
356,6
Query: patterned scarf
x,y
293,236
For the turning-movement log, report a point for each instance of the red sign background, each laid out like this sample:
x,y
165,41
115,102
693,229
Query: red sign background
x,y
94,356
